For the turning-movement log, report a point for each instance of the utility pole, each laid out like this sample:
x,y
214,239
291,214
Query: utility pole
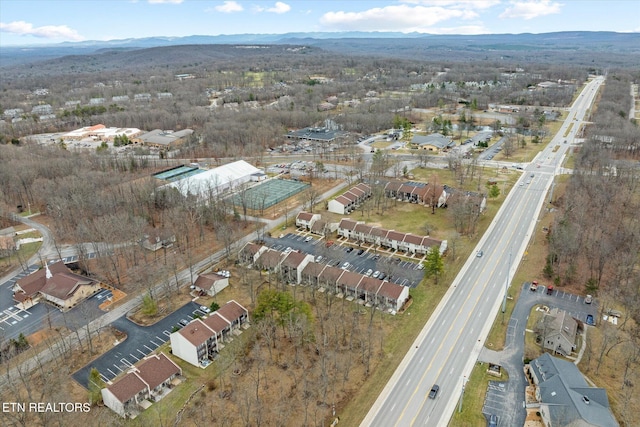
x,y
464,382
506,288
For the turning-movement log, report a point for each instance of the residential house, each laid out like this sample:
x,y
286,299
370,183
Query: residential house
x,y
293,264
405,242
157,239
564,396
558,330
202,339
311,272
150,380
56,284
269,260
392,296
251,252
320,227
350,200
306,219
211,283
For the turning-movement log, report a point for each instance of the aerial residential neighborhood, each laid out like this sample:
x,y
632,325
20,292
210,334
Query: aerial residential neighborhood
x,y
374,214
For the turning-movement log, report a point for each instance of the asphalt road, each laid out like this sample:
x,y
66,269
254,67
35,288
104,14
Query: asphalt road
x,y
446,350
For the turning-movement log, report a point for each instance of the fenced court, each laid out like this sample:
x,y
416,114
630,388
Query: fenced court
x,y
269,193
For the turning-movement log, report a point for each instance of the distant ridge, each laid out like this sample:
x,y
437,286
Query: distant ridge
x,y
411,45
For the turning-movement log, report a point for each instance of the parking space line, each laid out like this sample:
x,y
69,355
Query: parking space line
x,y
161,340
112,373
137,359
141,352
103,378
167,333
148,348
118,368
126,362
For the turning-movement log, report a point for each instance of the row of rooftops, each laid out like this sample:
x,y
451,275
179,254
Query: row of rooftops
x,y
392,235
147,375
354,194
198,331
271,259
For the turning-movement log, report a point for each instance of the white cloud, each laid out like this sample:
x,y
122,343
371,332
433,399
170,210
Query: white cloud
x,y
531,9
458,4
229,7
278,8
165,1
393,18
46,31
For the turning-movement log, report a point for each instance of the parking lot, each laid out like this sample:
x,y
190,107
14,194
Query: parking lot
x,y
495,400
359,259
140,342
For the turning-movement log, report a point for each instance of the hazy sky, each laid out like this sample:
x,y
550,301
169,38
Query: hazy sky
x,y
50,21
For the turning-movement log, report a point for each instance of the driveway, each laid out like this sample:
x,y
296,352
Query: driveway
x,y
507,401
140,342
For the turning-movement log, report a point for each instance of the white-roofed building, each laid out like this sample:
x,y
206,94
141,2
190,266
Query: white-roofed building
x,y
217,180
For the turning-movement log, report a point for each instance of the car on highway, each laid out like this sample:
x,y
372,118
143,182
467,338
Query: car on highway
x,y
532,175
590,320
479,254
588,299
434,391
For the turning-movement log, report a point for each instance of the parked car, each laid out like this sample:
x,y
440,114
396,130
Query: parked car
x,y
349,249
534,286
382,276
205,309
308,239
329,243
493,420
183,322
360,251
588,299
434,391
369,272
319,258
376,274
345,265
590,320
549,290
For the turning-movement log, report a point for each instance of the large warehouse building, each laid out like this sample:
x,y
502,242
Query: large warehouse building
x,y
218,180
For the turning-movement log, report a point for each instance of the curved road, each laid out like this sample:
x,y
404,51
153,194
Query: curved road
x,y
447,348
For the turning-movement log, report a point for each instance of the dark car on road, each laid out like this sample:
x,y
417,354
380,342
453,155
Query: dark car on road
x,y
434,391
590,320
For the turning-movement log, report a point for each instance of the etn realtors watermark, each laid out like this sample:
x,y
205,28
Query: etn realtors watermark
x,y
40,407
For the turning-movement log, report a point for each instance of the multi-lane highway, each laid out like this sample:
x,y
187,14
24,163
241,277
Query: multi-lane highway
x,y
445,351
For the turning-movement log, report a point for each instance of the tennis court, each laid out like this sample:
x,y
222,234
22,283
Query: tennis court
x,y
269,193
